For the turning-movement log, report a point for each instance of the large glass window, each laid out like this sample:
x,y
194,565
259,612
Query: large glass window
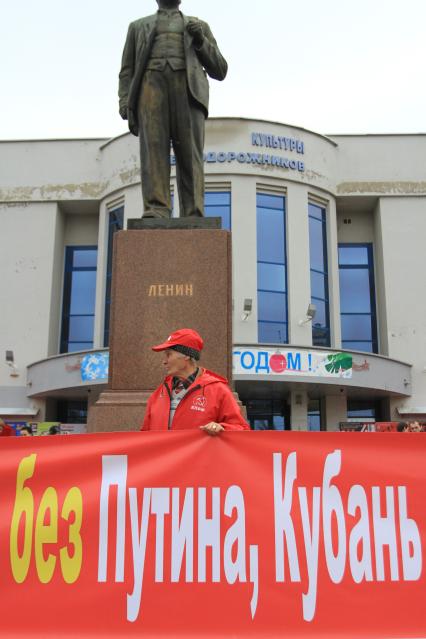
x,y
357,297
78,310
72,411
268,414
319,275
115,223
360,410
218,204
271,269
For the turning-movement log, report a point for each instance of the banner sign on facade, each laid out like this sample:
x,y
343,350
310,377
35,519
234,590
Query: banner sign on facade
x,y
285,362
94,366
272,143
253,361
180,534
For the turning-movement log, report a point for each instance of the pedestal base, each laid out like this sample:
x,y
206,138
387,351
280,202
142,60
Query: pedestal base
x,y
118,411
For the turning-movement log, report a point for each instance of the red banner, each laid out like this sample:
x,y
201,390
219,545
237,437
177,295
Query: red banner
x,y
247,534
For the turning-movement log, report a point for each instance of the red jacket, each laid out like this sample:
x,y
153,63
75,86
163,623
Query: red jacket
x,y
208,399
7,431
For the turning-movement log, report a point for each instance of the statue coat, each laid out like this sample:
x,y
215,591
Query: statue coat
x,y
207,60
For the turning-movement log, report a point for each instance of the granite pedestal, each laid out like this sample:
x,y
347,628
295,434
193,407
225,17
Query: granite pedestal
x,y
163,280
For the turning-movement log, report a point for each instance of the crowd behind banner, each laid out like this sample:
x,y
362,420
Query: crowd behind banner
x,y
11,428
413,426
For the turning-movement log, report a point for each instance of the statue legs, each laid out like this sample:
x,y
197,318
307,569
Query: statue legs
x,y
168,115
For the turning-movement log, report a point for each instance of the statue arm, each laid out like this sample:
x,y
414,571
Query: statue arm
x,y
126,72
210,56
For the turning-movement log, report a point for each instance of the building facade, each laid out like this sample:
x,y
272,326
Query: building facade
x,y
329,285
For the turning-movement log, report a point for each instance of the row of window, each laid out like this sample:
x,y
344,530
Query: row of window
x,y
274,414
357,295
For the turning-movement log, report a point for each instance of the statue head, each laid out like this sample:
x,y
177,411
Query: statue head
x,y
168,4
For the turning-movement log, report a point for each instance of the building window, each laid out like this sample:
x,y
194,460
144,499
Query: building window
x,y
271,269
72,411
115,223
357,297
314,415
268,414
78,310
218,204
319,275
363,411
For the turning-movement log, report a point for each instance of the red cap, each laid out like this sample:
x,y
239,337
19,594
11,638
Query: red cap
x,y
183,337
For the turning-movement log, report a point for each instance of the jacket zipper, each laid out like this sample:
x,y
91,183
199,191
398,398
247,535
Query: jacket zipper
x,y
191,390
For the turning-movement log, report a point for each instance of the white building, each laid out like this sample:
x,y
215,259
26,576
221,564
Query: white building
x,y
337,222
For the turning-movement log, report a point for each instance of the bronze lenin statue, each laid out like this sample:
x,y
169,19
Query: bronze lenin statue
x,y
164,95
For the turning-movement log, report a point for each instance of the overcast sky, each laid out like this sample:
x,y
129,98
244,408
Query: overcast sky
x,y
333,66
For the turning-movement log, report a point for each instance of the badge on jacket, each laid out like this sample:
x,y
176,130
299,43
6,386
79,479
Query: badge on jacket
x,y
199,403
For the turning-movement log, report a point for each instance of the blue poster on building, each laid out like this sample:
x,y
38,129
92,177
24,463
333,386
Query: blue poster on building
x,y
94,366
